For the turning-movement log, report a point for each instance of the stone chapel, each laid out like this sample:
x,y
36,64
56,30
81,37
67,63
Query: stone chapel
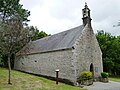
x,y
72,52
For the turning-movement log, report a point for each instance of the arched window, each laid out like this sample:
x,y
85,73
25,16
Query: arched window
x,y
91,68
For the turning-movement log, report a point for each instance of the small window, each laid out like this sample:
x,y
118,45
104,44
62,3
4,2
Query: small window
x,y
84,11
96,69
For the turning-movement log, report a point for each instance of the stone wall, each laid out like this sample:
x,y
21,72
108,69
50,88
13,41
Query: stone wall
x,y
47,63
87,51
70,62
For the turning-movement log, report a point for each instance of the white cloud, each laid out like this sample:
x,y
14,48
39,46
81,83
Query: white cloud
x,y
53,16
41,18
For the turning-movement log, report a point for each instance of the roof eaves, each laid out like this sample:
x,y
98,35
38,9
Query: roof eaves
x,y
20,54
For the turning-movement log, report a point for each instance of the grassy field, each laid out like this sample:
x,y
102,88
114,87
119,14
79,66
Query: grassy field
x,y
23,81
116,79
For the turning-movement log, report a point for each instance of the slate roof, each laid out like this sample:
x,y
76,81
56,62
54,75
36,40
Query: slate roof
x,y
62,40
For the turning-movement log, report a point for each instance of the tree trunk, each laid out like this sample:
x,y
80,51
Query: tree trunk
x,y
9,69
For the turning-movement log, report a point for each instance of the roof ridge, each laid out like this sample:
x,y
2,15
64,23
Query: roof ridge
x,y
57,33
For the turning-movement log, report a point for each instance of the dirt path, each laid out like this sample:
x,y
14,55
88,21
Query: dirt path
x,y
104,86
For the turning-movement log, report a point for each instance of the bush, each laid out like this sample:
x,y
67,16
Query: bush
x,y
86,75
104,75
85,78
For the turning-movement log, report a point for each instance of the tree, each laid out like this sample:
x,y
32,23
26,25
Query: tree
x,y
110,46
11,8
36,34
8,10
12,34
13,37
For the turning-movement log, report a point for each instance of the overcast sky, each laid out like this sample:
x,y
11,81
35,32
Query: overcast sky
x,y
53,16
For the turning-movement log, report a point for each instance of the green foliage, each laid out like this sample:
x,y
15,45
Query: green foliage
x,y
86,75
114,78
110,46
36,34
11,8
1,61
23,81
104,75
10,11
13,37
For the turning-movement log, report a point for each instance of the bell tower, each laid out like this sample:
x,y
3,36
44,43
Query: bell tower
x,y
86,15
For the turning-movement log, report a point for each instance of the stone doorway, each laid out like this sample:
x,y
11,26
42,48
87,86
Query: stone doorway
x,y
92,69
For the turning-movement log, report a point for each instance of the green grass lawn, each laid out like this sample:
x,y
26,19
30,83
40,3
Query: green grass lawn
x,y
116,79
23,81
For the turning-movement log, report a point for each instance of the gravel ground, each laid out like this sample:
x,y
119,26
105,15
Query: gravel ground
x,y
104,86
